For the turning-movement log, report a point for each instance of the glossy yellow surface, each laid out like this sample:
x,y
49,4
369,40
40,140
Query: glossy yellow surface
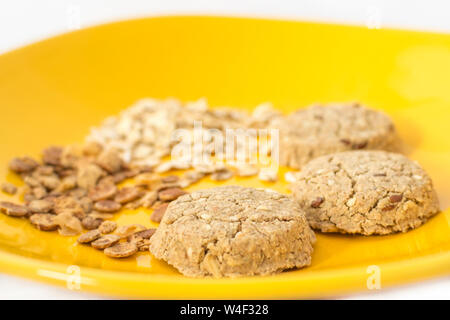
x,y
51,93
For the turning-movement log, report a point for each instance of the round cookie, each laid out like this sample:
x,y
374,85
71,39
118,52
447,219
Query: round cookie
x,y
233,231
320,130
365,192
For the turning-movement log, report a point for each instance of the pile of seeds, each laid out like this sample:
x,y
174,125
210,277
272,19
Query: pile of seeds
x,y
126,241
144,134
76,188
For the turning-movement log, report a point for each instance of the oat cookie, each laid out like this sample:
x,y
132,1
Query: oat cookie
x,y
365,192
233,231
320,130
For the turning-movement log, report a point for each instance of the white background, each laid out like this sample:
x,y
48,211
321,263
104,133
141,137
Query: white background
x,y
25,21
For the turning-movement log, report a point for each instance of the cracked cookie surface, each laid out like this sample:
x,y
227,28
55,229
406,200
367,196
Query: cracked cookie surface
x,y
321,130
365,192
233,231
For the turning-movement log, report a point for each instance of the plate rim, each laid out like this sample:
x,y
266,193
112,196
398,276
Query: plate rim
x,y
318,283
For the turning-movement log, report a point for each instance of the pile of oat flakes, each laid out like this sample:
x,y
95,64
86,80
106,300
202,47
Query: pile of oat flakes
x,y
143,134
75,189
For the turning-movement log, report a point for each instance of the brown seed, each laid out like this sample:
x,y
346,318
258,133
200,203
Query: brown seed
x,y
107,206
52,155
63,172
86,204
132,205
13,210
78,193
193,176
9,188
51,198
222,175
171,194
128,194
170,179
121,250
103,191
317,202
346,141
107,227
144,168
25,164
131,173
144,234
28,197
44,221
40,206
158,214
91,223
396,198
105,241
119,177
163,186
89,236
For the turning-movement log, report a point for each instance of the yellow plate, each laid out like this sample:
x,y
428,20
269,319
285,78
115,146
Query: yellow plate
x,y
51,92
